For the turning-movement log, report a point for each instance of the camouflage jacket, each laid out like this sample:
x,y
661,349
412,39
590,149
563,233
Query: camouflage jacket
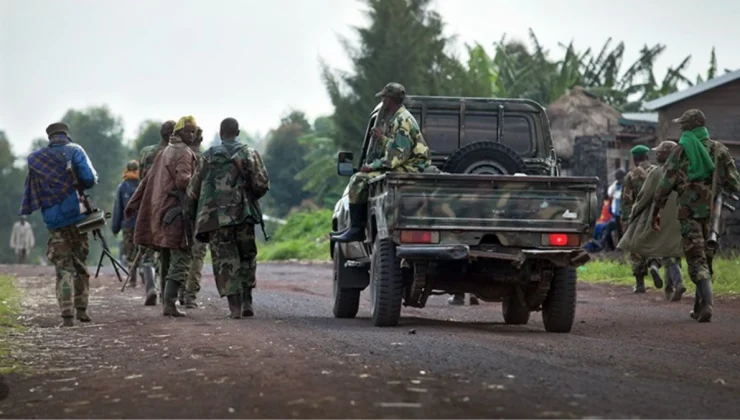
x,y
695,198
219,195
633,183
404,146
146,158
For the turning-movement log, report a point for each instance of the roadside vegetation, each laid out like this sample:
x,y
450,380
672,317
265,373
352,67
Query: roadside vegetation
x,y
618,272
9,309
304,236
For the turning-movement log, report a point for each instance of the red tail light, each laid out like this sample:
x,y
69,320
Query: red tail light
x,y
419,237
561,239
558,239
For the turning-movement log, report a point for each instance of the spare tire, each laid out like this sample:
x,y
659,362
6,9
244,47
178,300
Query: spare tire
x,y
485,158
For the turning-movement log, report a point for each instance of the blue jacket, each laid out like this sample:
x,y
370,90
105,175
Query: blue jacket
x,y
125,190
70,211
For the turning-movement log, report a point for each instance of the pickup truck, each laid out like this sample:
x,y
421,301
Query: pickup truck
x,y
495,220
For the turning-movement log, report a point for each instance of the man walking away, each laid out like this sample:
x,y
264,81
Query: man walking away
x,y
51,187
199,249
697,169
232,173
22,239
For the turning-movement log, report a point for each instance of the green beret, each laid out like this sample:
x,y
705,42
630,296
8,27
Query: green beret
x,y
639,150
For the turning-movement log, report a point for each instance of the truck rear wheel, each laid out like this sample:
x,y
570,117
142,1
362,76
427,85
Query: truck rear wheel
x,y
346,300
559,308
514,312
386,284
485,158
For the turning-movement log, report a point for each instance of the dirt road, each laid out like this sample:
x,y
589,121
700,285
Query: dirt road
x,y
628,356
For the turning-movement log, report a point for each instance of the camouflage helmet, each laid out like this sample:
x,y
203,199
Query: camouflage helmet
x,y
57,127
665,146
392,90
692,118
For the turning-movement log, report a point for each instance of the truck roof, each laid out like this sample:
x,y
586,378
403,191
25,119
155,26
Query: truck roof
x,y
472,103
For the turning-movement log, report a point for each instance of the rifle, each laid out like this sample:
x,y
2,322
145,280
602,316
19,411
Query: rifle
x,y
92,223
255,204
178,210
372,149
715,218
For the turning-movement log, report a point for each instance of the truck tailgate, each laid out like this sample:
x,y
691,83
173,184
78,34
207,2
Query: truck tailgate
x,y
492,202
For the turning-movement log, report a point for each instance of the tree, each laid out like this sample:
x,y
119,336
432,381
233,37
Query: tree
x,y
319,177
11,188
148,135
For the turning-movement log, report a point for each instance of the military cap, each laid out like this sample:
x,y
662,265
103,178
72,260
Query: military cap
x,y
692,117
392,90
665,146
132,165
639,150
57,127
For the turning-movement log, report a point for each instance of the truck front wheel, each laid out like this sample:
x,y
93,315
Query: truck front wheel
x,y
386,284
514,312
559,308
346,300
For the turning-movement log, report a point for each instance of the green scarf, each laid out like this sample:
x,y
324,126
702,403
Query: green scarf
x,y
700,163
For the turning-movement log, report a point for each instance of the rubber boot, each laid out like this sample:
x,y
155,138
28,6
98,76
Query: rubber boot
x,y
358,219
473,300
694,314
235,306
132,282
82,316
170,295
457,299
181,295
147,273
678,287
707,309
247,309
655,274
190,302
68,321
639,284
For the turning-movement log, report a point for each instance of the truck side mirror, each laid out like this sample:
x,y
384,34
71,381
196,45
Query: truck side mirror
x,y
345,167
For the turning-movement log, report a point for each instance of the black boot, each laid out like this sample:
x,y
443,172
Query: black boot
x,y
707,309
82,315
694,314
678,287
639,284
247,309
68,321
170,295
655,274
358,219
147,274
235,306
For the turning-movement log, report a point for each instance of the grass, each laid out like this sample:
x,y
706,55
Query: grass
x,y
9,309
303,237
726,281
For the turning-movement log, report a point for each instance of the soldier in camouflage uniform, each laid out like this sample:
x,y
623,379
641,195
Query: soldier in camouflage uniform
x,y
632,184
189,291
51,188
697,169
228,180
149,260
404,151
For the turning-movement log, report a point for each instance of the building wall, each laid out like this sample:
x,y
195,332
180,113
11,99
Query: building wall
x,y
721,106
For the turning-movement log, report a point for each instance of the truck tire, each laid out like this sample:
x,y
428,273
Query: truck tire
x,y
386,284
559,308
486,158
346,300
514,312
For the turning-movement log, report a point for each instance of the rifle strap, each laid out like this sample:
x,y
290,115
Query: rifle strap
x,y
715,180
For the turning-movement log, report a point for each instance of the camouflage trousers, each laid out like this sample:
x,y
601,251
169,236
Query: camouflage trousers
x,y
192,285
128,245
174,265
67,249
641,264
234,253
358,187
694,234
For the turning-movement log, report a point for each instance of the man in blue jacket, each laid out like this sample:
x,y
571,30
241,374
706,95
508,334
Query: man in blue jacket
x,y
51,187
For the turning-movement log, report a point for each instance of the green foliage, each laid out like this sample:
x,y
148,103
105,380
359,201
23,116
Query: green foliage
x,y
303,237
619,272
9,308
319,177
148,135
11,189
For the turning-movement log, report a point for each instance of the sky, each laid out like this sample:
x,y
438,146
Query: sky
x,y
255,60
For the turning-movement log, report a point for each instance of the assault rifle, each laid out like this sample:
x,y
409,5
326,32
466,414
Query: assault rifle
x,y
92,223
373,151
178,210
715,218
253,203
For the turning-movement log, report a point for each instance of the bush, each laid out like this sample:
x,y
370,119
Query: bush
x,y
303,237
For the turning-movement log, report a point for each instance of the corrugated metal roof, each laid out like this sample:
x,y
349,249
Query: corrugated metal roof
x,y
692,91
651,117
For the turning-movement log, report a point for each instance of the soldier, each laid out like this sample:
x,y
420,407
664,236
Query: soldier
x,y
192,286
123,194
697,169
51,187
632,185
160,202
149,261
405,151
223,194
